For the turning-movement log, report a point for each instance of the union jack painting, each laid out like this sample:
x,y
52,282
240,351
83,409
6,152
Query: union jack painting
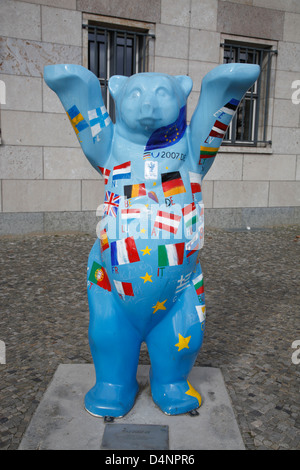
x,y
111,203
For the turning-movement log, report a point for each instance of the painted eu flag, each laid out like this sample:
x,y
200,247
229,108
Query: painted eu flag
x,y
168,135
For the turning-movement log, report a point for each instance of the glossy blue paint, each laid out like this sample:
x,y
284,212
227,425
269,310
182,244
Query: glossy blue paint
x,y
144,279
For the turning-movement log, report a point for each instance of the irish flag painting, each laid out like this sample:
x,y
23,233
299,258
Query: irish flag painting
x,y
99,276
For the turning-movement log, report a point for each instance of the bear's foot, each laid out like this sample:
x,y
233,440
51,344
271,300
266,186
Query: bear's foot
x,y
106,399
176,398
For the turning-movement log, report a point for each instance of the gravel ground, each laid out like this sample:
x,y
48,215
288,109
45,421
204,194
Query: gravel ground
x,y
253,317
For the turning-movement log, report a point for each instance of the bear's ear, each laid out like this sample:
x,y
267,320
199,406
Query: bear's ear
x,y
186,84
115,84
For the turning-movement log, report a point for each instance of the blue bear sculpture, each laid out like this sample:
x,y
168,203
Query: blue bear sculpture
x,y
144,279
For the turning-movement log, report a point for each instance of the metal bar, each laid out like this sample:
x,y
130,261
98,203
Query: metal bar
x,y
125,55
114,71
250,128
258,100
270,51
243,118
144,54
102,28
134,54
267,96
96,54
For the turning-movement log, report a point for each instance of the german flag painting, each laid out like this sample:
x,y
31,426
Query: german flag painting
x,y
172,183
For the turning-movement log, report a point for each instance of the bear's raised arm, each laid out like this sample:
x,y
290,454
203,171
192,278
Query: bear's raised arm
x,y
221,92
80,94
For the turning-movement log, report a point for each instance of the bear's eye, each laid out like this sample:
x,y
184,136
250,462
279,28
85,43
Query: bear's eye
x,y
136,93
161,91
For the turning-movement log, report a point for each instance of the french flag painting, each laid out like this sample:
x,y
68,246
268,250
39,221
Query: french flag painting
x,y
124,252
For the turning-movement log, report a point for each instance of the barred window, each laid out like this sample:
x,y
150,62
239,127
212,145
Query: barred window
x,y
113,51
250,124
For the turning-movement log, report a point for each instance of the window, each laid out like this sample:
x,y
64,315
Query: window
x,y
113,51
250,124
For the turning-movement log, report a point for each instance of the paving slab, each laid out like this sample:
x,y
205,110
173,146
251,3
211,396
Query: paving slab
x,y
62,423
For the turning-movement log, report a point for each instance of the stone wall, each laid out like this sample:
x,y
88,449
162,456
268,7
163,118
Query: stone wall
x,y
46,184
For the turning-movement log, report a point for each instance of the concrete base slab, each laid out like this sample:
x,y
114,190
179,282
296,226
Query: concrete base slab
x,y
61,422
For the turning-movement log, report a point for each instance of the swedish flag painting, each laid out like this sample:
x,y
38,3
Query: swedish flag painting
x,y
77,120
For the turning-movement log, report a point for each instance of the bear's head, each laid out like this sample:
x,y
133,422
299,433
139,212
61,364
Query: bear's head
x,y
146,102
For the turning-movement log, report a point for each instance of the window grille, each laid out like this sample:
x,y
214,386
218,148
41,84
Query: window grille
x,y
250,124
116,52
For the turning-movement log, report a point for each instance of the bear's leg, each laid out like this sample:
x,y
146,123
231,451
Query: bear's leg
x,y
115,347
173,346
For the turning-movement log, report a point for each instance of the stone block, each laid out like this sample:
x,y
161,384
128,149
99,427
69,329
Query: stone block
x,y
226,167
51,102
92,195
17,162
171,66
204,46
67,163
284,5
207,193
298,168
284,193
286,113
41,195
191,105
79,221
269,167
70,4
246,20
240,194
198,70
61,26
285,140
20,20
21,57
21,223
291,30
204,14
288,58
172,41
175,12
37,129
135,9
283,84
22,93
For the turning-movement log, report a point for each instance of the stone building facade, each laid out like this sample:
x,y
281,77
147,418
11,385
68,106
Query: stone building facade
x,y
46,184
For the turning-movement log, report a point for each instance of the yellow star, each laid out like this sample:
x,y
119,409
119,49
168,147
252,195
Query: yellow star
x,y
146,278
193,393
143,230
146,251
154,184
159,306
183,342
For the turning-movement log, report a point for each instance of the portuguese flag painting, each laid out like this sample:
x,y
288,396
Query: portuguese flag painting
x,y
99,276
